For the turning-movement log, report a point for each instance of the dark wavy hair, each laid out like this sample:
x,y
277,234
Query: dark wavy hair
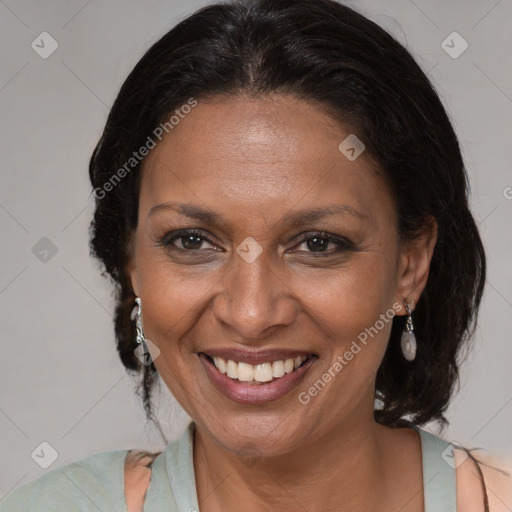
x,y
327,53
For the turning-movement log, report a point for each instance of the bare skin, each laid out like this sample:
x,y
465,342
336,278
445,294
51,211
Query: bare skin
x,y
497,475
254,162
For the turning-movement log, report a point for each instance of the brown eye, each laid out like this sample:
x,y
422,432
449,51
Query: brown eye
x,y
186,241
324,243
317,244
191,242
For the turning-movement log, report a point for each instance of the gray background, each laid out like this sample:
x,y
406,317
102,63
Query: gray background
x,y
61,379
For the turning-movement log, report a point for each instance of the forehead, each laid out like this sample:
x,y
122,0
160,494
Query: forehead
x,y
259,150
262,131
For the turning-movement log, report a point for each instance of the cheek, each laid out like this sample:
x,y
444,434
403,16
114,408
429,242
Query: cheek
x,y
353,309
172,294
171,303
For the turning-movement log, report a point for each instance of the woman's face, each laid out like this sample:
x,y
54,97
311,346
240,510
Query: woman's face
x,y
293,250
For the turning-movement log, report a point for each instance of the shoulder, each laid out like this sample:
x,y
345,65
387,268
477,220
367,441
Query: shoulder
x,y
479,475
96,480
137,475
480,481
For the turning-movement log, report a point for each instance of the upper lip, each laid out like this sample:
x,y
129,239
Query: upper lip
x,y
255,357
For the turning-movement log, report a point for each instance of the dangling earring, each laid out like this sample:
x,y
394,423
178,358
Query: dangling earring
x,y
408,340
136,315
142,351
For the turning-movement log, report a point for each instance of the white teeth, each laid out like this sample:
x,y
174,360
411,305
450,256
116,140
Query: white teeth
x,y
288,365
245,372
263,372
231,369
277,369
220,364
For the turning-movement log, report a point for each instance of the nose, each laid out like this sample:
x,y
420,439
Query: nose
x,y
254,299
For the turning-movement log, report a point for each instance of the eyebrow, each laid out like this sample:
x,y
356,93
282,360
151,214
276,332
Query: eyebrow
x,y
293,217
191,211
305,216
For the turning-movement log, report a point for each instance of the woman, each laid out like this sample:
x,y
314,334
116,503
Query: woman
x,y
282,204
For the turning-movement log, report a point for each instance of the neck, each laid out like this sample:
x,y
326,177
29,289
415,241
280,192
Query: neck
x,y
345,465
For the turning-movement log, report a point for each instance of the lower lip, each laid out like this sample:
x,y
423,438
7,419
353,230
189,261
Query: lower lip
x,y
255,394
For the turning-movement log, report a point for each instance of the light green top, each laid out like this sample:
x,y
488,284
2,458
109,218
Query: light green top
x,y
96,483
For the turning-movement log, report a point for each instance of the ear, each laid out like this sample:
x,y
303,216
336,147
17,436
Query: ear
x,y
414,264
131,267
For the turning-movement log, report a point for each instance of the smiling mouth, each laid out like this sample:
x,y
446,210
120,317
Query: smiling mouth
x,y
258,374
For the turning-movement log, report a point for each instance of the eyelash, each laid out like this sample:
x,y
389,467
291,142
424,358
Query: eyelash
x,y
168,238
